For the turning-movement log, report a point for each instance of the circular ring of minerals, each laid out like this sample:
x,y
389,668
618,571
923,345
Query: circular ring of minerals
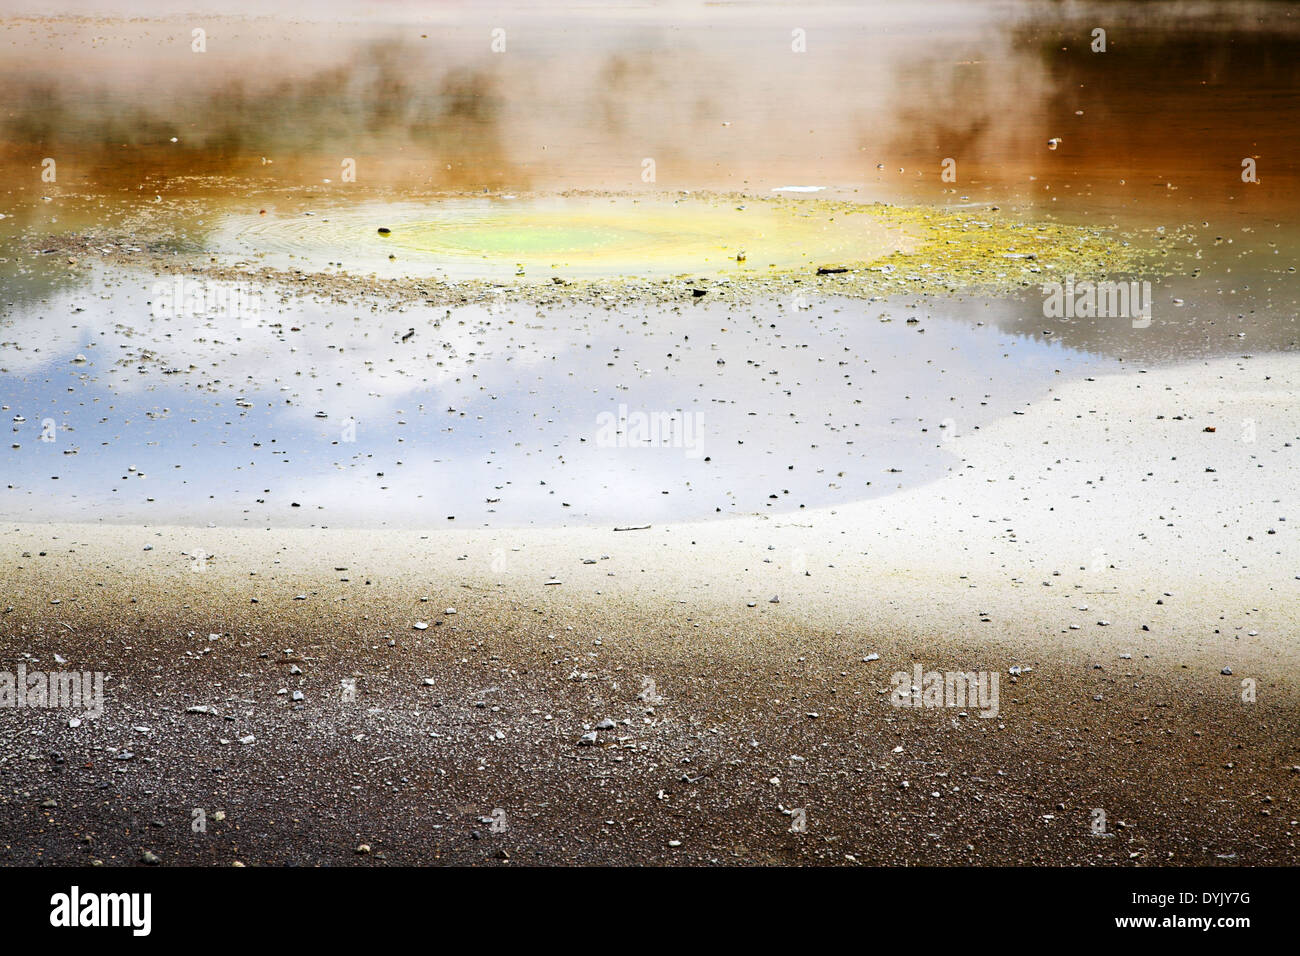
x,y
585,236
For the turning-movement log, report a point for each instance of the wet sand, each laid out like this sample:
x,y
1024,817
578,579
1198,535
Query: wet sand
x,y
1106,502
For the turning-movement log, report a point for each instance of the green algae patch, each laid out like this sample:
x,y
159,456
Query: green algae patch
x,y
588,237
598,248
981,253
749,241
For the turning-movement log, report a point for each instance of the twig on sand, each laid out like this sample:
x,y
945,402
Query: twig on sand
x,y
636,527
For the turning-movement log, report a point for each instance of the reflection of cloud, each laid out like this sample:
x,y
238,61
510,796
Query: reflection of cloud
x,y
334,363
514,411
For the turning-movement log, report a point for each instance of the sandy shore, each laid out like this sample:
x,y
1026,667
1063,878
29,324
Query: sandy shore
x,y
1109,501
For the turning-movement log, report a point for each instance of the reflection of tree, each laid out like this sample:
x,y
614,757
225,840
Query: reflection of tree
x,y
460,128
960,128
1170,94
977,104
42,116
376,105
1172,97
1172,100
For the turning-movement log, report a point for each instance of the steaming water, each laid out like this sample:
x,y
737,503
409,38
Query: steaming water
x,y
494,414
